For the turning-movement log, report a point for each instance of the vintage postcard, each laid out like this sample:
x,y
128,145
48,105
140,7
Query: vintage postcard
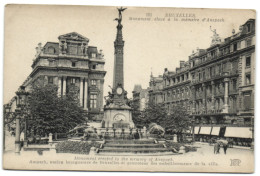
x,y
95,88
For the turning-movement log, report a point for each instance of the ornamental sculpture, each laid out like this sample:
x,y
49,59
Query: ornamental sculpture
x,y
215,38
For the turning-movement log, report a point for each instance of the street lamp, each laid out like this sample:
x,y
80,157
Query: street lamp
x,y
21,99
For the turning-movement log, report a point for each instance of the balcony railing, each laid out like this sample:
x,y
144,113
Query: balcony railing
x,y
204,112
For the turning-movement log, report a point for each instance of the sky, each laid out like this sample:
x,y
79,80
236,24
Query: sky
x,y
149,45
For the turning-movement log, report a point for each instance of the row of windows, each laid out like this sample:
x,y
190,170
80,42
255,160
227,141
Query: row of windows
x,y
176,80
72,81
214,53
212,71
178,94
73,64
73,50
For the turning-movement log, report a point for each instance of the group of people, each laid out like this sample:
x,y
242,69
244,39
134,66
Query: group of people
x,y
218,145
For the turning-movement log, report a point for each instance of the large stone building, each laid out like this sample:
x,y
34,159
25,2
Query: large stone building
x,y
72,62
176,87
216,85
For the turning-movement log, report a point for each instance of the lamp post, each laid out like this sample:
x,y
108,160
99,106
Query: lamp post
x,y
21,99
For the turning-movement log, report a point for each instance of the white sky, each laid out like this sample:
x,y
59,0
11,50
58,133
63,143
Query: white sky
x,y
148,45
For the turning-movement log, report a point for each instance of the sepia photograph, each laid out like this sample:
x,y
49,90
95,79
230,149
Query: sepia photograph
x,y
123,88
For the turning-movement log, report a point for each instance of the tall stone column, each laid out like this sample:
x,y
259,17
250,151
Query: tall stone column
x,y
59,86
25,141
226,81
194,106
17,136
213,91
193,96
81,92
204,103
101,93
86,95
64,85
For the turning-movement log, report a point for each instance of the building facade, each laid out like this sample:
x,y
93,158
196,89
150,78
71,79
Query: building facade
x,y
176,87
155,94
71,63
140,97
216,85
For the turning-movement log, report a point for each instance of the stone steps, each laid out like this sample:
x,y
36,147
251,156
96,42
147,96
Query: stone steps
x,y
134,150
141,141
132,147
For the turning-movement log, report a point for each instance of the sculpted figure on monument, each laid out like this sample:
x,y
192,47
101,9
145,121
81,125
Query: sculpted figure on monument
x,y
125,94
120,10
109,98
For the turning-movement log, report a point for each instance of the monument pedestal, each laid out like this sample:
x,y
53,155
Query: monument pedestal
x,y
116,116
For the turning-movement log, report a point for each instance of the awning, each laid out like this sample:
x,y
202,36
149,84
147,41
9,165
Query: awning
x,y
239,132
196,130
215,131
205,130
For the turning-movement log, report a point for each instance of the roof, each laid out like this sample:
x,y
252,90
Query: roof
x,y
73,36
54,45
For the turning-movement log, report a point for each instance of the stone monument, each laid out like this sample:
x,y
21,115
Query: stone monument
x,y
117,113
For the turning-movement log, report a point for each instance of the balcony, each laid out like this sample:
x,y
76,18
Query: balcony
x,y
208,112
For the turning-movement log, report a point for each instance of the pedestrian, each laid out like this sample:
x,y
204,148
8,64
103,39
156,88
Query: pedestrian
x,y
230,143
216,148
225,146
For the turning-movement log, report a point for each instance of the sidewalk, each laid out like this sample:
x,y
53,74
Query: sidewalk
x,y
234,146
